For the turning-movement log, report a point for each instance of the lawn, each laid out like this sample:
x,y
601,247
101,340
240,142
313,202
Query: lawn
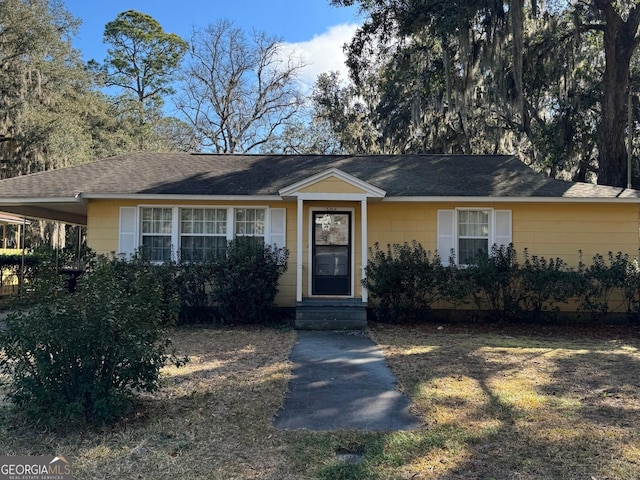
x,y
498,403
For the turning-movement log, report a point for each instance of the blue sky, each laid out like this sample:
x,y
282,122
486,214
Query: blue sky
x,y
313,27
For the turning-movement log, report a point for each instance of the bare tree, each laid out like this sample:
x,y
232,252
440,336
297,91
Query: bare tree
x,y
239,91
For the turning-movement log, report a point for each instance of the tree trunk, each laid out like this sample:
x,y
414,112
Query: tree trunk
x,y
619,43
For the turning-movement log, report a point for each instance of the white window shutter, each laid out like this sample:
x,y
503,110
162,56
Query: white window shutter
x,y
503,228
278,226
446,234
127,243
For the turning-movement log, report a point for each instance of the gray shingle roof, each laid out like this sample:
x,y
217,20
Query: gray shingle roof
x,y
211,174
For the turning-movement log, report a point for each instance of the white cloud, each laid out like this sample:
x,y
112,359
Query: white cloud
x,y
323,53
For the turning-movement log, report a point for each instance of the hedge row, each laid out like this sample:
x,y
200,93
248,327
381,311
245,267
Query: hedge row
x,y
237,288
405,280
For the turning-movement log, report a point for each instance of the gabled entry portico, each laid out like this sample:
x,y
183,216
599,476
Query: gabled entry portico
x,y
331,241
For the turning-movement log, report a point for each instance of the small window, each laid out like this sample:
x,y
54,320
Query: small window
x,y
203,233
250,222
156,233
473,235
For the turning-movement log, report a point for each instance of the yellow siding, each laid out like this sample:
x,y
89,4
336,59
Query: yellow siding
x,y
332,185
102,232
403,222
561,230
102,224
545,229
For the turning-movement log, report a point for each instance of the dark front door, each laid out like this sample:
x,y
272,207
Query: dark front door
x,y
331,255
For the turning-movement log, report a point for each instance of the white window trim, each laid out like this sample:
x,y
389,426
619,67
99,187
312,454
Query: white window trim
x,y
456,227
267,231
493,234
175,222
141,234
182,235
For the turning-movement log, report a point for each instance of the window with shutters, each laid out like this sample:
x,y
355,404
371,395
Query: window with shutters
x,y
250,222
465,233
194,234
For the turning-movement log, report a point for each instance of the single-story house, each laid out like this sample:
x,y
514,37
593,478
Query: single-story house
x,y
327,210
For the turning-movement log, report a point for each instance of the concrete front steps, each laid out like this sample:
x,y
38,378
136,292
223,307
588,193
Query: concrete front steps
x,y
331,314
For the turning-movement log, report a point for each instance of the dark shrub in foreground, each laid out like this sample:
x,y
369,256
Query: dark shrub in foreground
x,y
246,280
404,279
80,357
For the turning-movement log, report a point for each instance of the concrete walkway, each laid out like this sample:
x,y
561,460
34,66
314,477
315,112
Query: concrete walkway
x,y
341,382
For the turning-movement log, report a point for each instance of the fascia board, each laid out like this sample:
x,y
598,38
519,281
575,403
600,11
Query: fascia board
x,y
459,199
173,197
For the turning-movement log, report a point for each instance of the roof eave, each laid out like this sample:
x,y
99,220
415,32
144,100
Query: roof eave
x,y
476,199
177,196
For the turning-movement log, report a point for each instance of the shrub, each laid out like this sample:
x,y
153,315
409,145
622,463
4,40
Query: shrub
x,y
193,283
545,284
80,357
495,278
132,270
600,280
246,280
405,280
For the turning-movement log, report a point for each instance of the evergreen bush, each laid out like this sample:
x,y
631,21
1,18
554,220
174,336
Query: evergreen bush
x,y
405,279
81,357
546,283
246,281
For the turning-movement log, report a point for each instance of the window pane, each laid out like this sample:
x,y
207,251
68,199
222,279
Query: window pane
x,y
199,249
473,223
250,221
331,261
156,220
158,247
469,248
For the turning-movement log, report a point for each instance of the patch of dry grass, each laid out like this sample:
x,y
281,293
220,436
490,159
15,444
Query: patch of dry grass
x,y
211,420
497,405
525,405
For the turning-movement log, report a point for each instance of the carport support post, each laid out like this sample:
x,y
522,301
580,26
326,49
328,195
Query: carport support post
x,y
21,280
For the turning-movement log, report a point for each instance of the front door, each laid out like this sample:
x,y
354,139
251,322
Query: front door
x,y
331,254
